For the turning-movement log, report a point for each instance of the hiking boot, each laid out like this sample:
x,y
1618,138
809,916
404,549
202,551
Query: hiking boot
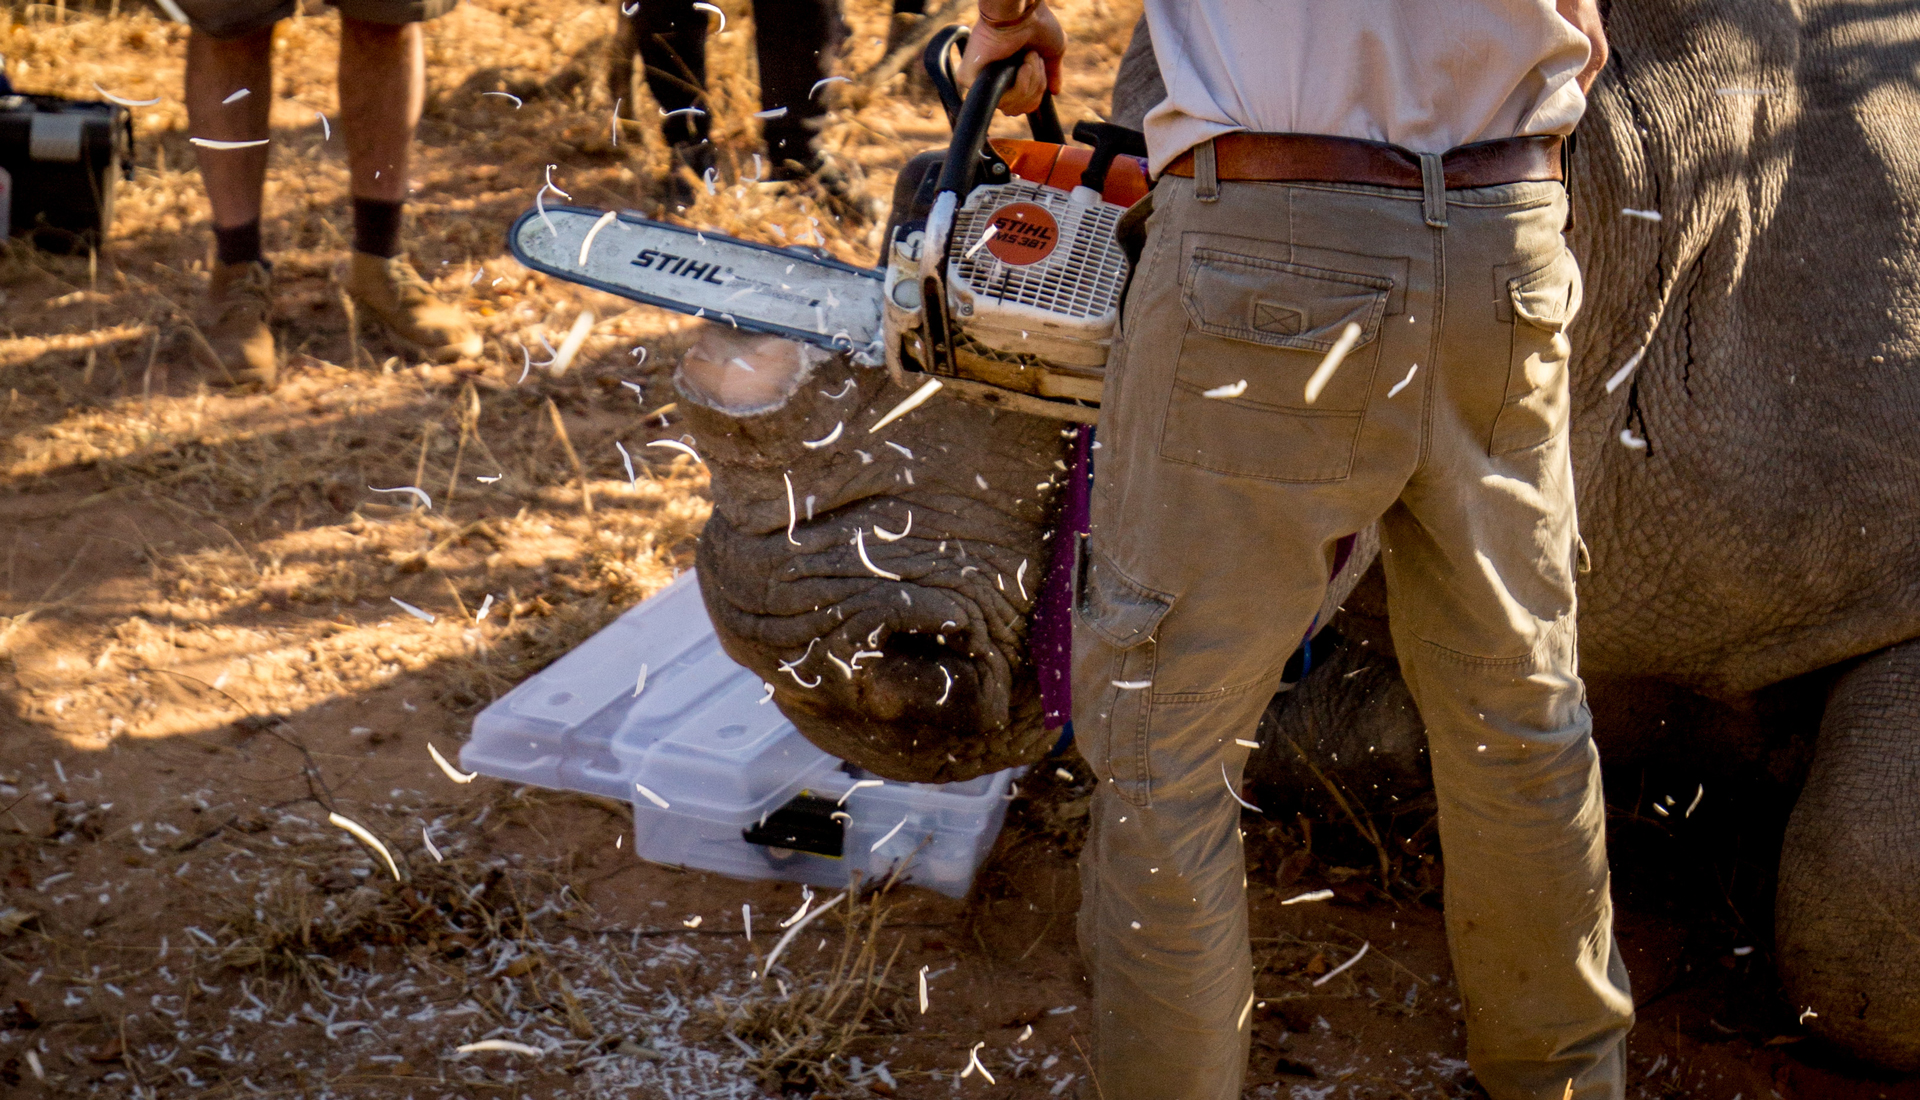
x,y
238,344
391,290
839,183
687,173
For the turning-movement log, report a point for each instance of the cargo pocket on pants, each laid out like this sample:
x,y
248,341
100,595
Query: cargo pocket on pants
x,y
1543,302
1257,329
1114,655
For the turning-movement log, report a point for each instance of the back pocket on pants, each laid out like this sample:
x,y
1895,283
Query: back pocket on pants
x,y
1257,329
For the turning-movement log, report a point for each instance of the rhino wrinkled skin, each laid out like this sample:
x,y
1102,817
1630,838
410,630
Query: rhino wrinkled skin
x,y
954,499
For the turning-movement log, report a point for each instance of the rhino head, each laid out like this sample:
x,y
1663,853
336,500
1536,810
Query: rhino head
x,y
881,581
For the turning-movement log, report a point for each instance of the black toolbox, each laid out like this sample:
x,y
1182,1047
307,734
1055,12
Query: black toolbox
x,y
62,157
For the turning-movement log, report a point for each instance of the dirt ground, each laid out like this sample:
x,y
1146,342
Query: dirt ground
x,y
201,659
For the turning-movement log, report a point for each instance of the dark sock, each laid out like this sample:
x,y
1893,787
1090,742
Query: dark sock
x,y
239,244
376,227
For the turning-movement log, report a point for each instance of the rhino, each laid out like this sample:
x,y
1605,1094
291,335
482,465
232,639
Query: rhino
x,y
1746,437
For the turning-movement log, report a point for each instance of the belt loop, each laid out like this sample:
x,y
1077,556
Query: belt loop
x,y
1206,173
1433,181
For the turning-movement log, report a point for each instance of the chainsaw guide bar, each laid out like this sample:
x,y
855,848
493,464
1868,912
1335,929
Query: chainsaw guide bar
x,y
756,287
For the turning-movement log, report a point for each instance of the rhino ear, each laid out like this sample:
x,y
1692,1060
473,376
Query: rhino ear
x,y
744,373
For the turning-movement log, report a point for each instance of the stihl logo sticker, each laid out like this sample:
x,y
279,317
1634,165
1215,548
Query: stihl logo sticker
x,y
1022,233
653,259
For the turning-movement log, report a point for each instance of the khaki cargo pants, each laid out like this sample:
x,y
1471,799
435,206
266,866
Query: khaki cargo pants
x,y
1214,519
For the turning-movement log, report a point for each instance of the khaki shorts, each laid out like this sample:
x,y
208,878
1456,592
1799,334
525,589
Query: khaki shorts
x,y
238,18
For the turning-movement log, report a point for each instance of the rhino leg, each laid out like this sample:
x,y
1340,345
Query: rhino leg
x,y
1347,739
1847,915
911,661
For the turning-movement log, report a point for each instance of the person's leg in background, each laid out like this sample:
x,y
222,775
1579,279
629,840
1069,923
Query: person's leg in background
x,y
1480,557
797,41
908,16
382,89
229,50
909,21
671,38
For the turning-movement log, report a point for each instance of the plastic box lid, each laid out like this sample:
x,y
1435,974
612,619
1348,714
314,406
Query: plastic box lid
x,y
701,736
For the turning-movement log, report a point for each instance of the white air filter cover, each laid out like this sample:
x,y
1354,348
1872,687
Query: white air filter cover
x,y
1046,279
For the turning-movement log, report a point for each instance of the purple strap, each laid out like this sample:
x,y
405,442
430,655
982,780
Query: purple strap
x,y
1052,636
1342,550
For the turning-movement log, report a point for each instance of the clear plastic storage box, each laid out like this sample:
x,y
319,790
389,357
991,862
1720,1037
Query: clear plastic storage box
x,y
718,778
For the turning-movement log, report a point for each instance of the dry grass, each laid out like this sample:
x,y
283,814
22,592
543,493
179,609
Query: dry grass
x,y
805,1034
212,514
330,903
196,592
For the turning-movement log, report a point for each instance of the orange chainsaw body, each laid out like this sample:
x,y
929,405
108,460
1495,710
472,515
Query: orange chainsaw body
x,y
1061,165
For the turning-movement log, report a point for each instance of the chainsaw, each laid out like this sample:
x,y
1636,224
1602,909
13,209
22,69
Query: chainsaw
x,y
1003,270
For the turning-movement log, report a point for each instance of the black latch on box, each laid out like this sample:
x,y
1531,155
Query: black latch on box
x,y
62,158
807,823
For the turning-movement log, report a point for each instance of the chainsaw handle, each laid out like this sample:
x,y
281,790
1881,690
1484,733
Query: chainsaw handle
x,y
1044,122
938,62
970,126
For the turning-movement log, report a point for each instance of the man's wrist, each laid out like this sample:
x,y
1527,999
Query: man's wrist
x,y
1001,14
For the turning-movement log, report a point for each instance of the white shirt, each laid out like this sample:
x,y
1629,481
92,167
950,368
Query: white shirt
x,y
1424,74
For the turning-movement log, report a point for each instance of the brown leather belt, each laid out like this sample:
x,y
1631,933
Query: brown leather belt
x,y
1317,158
